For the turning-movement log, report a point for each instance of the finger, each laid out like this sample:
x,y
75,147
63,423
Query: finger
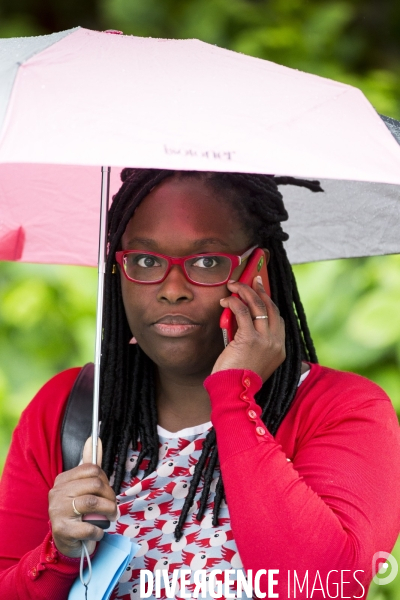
x,y
83,471
67,535
260,304
87,451
272,309
241,312
89,504
250,297
94,486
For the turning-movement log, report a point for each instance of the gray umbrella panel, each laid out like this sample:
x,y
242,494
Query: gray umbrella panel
x,y
393,126
13,53
362,218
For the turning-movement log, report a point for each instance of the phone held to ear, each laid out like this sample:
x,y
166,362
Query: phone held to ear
x,y
256,265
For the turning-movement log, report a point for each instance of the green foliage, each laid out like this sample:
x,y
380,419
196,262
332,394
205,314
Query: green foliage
x,y
47,317
352,307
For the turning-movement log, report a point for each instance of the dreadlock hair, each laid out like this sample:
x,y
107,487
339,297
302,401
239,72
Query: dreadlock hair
x,y
128,396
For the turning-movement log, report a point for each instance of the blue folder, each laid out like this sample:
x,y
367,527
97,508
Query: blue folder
x,y
114,554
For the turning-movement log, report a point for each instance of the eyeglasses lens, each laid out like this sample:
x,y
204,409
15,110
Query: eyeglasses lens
x,y
145,267
205,269
208,269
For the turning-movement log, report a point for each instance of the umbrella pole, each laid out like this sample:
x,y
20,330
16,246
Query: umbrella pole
x,y
105,194
99,520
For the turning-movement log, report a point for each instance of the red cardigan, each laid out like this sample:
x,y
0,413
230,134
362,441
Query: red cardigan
x,y
329,509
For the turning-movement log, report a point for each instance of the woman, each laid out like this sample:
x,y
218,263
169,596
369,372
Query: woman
x,y
304,481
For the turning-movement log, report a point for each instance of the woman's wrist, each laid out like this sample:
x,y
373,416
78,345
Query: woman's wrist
x,y
234,412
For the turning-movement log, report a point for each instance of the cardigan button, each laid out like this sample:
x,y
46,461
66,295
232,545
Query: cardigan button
x,y
260,430
247,382
252,414
244,397
50,559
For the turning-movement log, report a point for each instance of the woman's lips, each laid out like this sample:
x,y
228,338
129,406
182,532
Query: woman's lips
x,y
173,330
174,326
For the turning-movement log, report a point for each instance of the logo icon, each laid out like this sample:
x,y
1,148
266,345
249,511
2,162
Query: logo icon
x,y
387,571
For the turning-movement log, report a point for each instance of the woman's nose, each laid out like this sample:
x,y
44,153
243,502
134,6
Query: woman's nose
x,y
175,287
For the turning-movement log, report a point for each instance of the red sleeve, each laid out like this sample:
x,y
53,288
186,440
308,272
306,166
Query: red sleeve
x,y
30,566
336,503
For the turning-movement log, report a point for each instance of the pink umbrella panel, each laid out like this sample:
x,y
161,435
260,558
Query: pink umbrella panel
x,y
50,214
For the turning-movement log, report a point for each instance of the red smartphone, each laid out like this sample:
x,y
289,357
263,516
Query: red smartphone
x,y
256,265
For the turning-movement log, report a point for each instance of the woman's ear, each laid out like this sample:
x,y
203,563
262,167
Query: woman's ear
x,y
267,255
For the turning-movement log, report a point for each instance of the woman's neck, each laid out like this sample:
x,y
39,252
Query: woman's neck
x,y
181,401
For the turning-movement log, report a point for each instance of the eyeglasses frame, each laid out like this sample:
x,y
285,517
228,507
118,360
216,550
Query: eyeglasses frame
x,y
236,261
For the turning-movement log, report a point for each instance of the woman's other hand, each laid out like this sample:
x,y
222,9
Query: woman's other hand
x,y
88,486
259,344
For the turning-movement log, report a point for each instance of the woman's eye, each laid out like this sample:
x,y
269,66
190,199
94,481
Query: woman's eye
x,y
206,262
147,261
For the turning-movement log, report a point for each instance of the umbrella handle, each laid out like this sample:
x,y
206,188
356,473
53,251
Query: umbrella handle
x,y
97,520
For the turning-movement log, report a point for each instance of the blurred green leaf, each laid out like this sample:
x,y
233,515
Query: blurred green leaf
x,y
374,322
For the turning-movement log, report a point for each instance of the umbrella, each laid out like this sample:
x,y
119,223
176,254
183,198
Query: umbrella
x,y
73,101
77,100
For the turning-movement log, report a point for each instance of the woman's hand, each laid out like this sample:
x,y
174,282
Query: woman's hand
x,y
258,345
88,486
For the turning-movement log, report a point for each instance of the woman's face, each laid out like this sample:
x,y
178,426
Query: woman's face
x,y
176,322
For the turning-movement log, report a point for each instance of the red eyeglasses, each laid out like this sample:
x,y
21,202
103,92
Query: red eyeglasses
x,y
202,269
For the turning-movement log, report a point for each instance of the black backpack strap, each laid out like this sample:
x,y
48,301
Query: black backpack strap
x,y
77,423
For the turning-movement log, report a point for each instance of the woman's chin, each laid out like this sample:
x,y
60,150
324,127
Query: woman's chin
x,y
183,358
188,353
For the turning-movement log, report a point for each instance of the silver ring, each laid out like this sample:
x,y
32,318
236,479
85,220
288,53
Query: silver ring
x,y
261,317
76,511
